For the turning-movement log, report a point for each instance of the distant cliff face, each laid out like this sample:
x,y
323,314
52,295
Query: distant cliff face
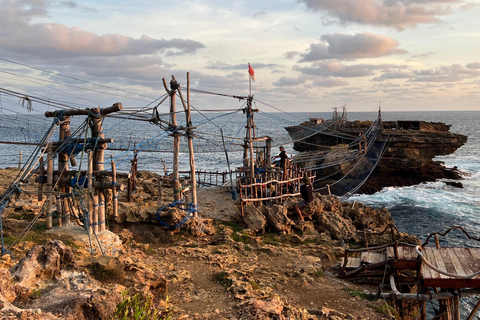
x,y
407,150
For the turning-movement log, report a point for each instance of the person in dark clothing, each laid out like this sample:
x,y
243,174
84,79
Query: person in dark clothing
x,y
306,190
283,157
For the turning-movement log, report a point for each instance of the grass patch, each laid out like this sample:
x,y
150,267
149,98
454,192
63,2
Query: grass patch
x,y
36,294
140,308
319,273
105,274
387,310
150,251
360,294
234,225
255,286
71,243
242,237
222,278
271,238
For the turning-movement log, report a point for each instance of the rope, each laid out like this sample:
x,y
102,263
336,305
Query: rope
x,y
191,209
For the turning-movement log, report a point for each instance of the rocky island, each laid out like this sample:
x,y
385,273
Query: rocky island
x,y
396,153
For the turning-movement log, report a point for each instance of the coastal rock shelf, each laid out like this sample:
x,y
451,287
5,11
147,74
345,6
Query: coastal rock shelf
x,y
404,151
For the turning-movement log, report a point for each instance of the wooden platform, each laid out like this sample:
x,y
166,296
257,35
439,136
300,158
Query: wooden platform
x,y
461,261
365,258
407,257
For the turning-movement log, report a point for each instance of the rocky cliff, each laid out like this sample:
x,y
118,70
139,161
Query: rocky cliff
x,y
406,148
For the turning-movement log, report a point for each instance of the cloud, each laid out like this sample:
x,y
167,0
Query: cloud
x,y
291,54
337,69
395,75
53,40
398,14
451,73
219,65
289,81
473,65
351,46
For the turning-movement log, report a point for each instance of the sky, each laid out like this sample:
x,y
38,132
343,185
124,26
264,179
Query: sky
x,y
308,55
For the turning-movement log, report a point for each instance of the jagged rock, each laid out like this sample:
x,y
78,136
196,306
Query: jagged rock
x,y
253,218
337,226
43,263
364,217
199,227
6,286
266,309
77,296
136,212
277,218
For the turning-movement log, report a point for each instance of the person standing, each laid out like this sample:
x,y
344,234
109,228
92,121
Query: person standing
x,y
306,190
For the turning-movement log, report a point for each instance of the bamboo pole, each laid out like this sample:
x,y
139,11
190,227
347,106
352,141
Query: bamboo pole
x,y
19,159
98,165
473,313
42,174
193,180
49,186
114,188
90,202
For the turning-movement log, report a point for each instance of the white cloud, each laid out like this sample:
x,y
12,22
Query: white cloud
x,y
399,14
351,46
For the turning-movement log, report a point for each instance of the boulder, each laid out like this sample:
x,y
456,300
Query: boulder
x,y
337,226
253,218
277,218
43,263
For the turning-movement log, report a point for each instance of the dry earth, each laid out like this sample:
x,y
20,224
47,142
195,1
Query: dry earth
x,y
229,273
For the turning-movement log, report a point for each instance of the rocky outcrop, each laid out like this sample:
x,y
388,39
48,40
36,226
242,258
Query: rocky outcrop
x,y
43,263
407,150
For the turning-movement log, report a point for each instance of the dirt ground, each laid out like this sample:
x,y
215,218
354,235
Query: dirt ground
x,y
215,276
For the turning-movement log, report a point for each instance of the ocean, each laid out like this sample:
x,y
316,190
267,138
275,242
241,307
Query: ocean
x,y
418,210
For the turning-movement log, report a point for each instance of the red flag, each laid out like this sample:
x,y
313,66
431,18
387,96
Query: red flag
x,y
251,72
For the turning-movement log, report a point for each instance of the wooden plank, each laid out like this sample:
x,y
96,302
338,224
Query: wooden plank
x,y
440,263
435,262
476,254
354,263
390,252
447,261
458,266
474,263
401,255
429,272
464,261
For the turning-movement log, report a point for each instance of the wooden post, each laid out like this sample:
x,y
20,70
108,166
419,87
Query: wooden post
x,y
63,167
114,189
98,165
329,192
456,303
474,311
90,198
159,197
49,186
176,139
188,116
437,242
19,159
42,174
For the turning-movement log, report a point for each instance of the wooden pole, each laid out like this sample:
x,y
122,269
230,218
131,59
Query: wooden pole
x,y
456,303
19,159
90,202
63,167
98,165
474,311
186,106
114,189
49,186
42,174
176,140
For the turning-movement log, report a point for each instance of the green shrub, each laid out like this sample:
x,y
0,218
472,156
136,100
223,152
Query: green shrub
x,y
138,308
223,279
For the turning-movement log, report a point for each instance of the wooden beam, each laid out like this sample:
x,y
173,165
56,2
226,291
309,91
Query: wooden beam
x,y
114,108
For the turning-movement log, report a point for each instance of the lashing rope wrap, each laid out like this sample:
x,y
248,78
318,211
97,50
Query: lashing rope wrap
x,y
191,209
